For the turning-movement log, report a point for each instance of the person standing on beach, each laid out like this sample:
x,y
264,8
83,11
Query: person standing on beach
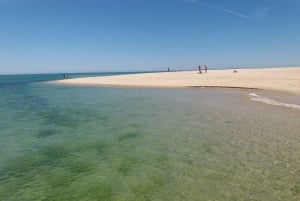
x,y
199,68
205,68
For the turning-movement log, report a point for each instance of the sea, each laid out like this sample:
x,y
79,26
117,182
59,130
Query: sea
x,y
69,143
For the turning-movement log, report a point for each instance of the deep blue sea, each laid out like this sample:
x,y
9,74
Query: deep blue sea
x,y
117,144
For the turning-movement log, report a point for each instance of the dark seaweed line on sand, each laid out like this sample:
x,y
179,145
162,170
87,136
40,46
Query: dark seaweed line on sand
x,y
226,87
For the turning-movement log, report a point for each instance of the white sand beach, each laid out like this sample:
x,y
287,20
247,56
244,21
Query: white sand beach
x,y
278,79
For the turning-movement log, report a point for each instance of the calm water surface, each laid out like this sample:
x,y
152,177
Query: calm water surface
x,y
88,143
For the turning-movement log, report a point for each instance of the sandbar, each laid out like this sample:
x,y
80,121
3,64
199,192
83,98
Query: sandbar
x,y
286,79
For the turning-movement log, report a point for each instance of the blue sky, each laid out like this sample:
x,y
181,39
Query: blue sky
x,y
45,36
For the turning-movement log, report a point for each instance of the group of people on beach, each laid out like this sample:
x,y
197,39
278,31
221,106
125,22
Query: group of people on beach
x,y
200,68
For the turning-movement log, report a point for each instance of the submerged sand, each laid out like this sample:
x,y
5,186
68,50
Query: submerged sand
x,y
279,79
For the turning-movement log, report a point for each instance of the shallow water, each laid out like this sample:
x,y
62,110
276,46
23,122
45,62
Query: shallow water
x,y
88,143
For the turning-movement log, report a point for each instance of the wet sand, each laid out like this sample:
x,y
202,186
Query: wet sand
x,y
278,79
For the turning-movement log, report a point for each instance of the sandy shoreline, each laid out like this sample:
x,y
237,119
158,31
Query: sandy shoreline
x,y
278,79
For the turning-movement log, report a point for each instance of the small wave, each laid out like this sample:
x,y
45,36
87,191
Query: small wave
x,y
253,95
266,100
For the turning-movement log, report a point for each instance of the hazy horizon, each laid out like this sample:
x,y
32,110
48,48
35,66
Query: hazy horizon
x,y
148,71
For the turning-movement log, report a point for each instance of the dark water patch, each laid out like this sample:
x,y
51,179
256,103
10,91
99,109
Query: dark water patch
x,y
163,161
146,190
12,187
98,191
104,118
101,148
23,165
215,176
134,125
77,167
124,109
189,161
228,122
18,166
29,99
53,117
152,114
296,190
187,114
124,169
60,118
208,147
60,179
128,136
15,80
127,164
72,118
25,98
46,133
44,162
54,152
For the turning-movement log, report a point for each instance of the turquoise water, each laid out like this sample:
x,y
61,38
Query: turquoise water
x,y
89,143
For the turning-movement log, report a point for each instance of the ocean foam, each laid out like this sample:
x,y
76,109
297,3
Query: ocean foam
x,y
266,100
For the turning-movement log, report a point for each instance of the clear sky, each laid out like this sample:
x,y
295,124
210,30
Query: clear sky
x,y
42,36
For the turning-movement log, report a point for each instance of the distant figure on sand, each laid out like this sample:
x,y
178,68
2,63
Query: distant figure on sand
x,y
199,68
64,76
205,68
168,69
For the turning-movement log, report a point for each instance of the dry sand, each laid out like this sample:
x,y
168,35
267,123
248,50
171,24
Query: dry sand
x,y
278,79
